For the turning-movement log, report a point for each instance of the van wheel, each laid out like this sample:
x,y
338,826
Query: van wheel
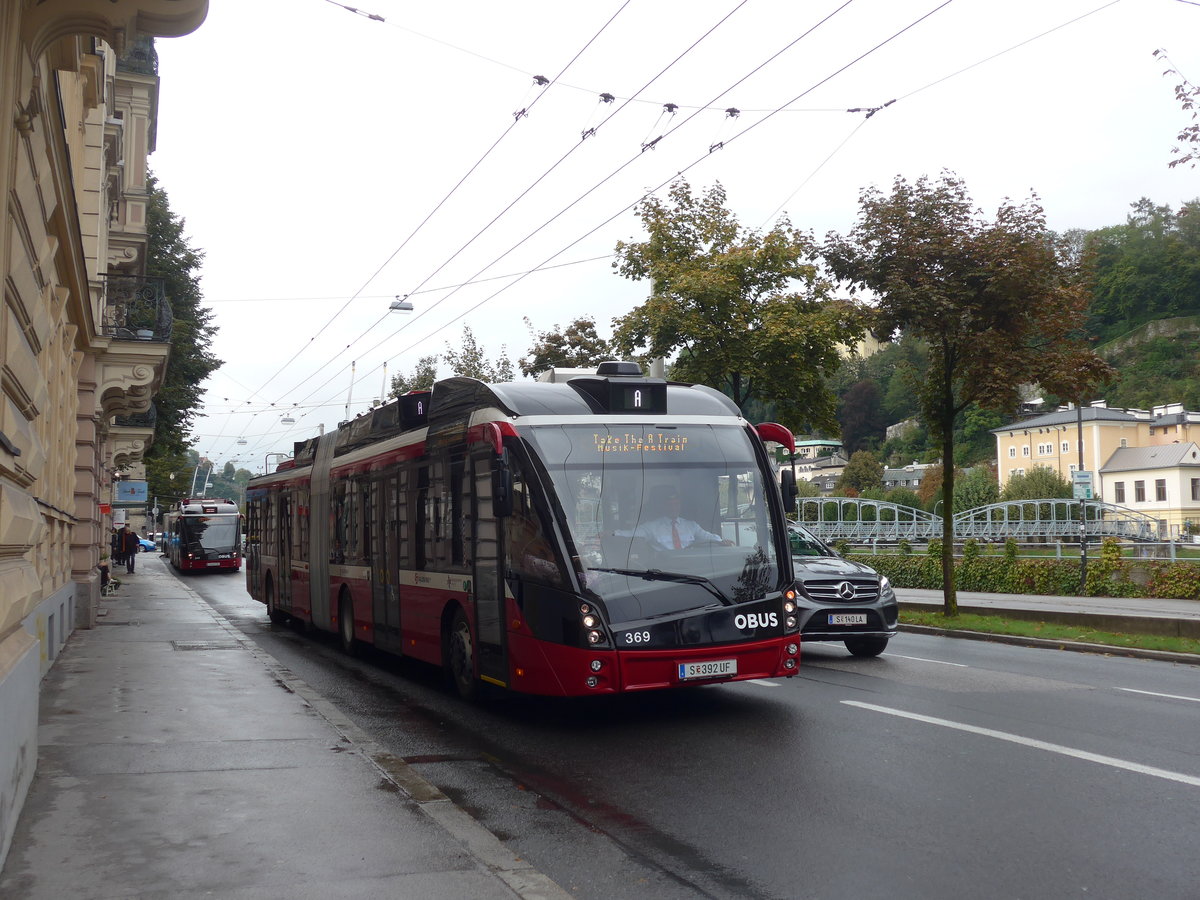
x,y
866,646
346,626
460,657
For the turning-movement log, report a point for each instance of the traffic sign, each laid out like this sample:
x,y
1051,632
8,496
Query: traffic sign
x,y
1081,485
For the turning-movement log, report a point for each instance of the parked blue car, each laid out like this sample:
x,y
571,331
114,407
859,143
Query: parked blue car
x,y
144,544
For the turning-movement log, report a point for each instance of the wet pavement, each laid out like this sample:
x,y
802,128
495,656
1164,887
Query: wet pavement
x,y
178,759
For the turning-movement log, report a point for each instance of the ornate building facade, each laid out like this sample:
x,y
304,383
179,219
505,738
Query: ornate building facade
x,y
83,334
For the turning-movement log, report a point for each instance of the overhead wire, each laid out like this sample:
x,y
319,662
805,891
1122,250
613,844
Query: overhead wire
x,y
518,198
783,108
523,111
611,175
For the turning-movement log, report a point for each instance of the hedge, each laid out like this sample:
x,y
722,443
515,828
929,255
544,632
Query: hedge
x,y
1107,576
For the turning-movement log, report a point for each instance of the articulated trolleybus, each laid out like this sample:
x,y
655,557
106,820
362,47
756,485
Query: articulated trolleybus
x,y
202,535
515,535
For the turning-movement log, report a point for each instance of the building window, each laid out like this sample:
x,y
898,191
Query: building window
x,y
1124,442
1066,446
1025,450
1139,491
1196,488
1160,489
1119,491
1012,452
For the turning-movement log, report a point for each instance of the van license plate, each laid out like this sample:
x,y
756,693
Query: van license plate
x,y
847,618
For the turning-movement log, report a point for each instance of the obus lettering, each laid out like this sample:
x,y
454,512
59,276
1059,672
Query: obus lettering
x,y
756,620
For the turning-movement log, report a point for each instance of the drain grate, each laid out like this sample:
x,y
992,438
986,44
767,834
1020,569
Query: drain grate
x,y
205,645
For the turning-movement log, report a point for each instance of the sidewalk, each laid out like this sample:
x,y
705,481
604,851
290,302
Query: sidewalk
x,y
176,759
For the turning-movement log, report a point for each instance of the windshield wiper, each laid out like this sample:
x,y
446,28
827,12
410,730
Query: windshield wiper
x,y
678,577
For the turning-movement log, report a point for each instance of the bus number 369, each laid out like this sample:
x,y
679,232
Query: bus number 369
x,y
637,637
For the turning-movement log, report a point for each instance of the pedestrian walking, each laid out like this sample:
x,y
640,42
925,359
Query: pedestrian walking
x,y
128,542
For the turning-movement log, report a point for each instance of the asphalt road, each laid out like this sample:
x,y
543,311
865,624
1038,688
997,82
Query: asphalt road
x,y
943,769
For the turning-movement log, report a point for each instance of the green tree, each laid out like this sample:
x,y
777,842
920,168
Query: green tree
x,y
995,301
1039,483
576,346
471,360
171,257
860,417
743,310
903,496
864,472
422,377
977,487
1188,96
1145,269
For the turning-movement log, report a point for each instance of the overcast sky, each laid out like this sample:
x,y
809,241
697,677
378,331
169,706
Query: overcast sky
x,y
327,162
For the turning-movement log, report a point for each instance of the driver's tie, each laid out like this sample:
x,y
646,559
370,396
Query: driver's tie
x,y
675,542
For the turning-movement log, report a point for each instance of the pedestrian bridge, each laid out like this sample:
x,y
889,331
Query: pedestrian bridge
x,y
864,521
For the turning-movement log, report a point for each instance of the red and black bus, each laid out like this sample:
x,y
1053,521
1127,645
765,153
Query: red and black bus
x,y
202,534
500,531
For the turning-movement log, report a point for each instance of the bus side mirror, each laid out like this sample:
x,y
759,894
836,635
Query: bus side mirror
x,y
502,488
789,490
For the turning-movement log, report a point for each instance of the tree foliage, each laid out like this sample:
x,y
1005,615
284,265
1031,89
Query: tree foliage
x,y
864,472
995,301
1040,482
171,257
977,487
1146,269
1188,95
743,310
422,377
576,346
470,359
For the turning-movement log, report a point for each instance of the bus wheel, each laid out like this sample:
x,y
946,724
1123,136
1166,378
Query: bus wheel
x,y
346,625
273,612
460,658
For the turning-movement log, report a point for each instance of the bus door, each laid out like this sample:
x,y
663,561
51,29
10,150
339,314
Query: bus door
x,y
254,516
486,580
385,569
284,548
320,538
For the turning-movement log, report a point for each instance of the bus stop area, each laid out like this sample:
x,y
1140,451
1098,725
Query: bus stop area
x,y
177,759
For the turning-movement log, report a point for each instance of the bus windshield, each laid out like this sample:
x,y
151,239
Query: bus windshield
x,y
662,519
210,533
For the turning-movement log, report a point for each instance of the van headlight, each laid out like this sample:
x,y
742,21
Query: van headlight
x,y
886,594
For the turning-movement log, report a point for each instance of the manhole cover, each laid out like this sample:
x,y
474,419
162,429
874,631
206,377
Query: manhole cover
x,y
204,645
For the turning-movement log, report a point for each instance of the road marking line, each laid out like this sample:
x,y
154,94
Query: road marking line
x,y
940,662
763,682
1155,694
1037,745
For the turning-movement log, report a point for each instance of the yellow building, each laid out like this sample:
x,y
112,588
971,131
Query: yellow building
x,y
1105,435
83,335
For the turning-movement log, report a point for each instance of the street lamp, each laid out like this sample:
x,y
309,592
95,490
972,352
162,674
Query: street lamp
x,y
1082,503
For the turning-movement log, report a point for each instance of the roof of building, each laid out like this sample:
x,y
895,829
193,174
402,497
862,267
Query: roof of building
x,y
1071,416
1164,456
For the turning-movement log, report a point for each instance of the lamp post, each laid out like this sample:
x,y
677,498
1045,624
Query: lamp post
x,y
1082,503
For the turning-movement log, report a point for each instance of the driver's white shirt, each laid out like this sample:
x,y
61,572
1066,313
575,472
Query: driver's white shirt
x,y
659,531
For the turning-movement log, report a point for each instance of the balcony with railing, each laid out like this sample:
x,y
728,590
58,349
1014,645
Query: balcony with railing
x,y
136,323
136,309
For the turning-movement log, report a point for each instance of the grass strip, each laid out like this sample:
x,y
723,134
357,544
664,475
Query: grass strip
x,y
1048,631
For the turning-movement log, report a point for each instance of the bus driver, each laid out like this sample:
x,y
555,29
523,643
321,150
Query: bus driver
x,y
670,531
